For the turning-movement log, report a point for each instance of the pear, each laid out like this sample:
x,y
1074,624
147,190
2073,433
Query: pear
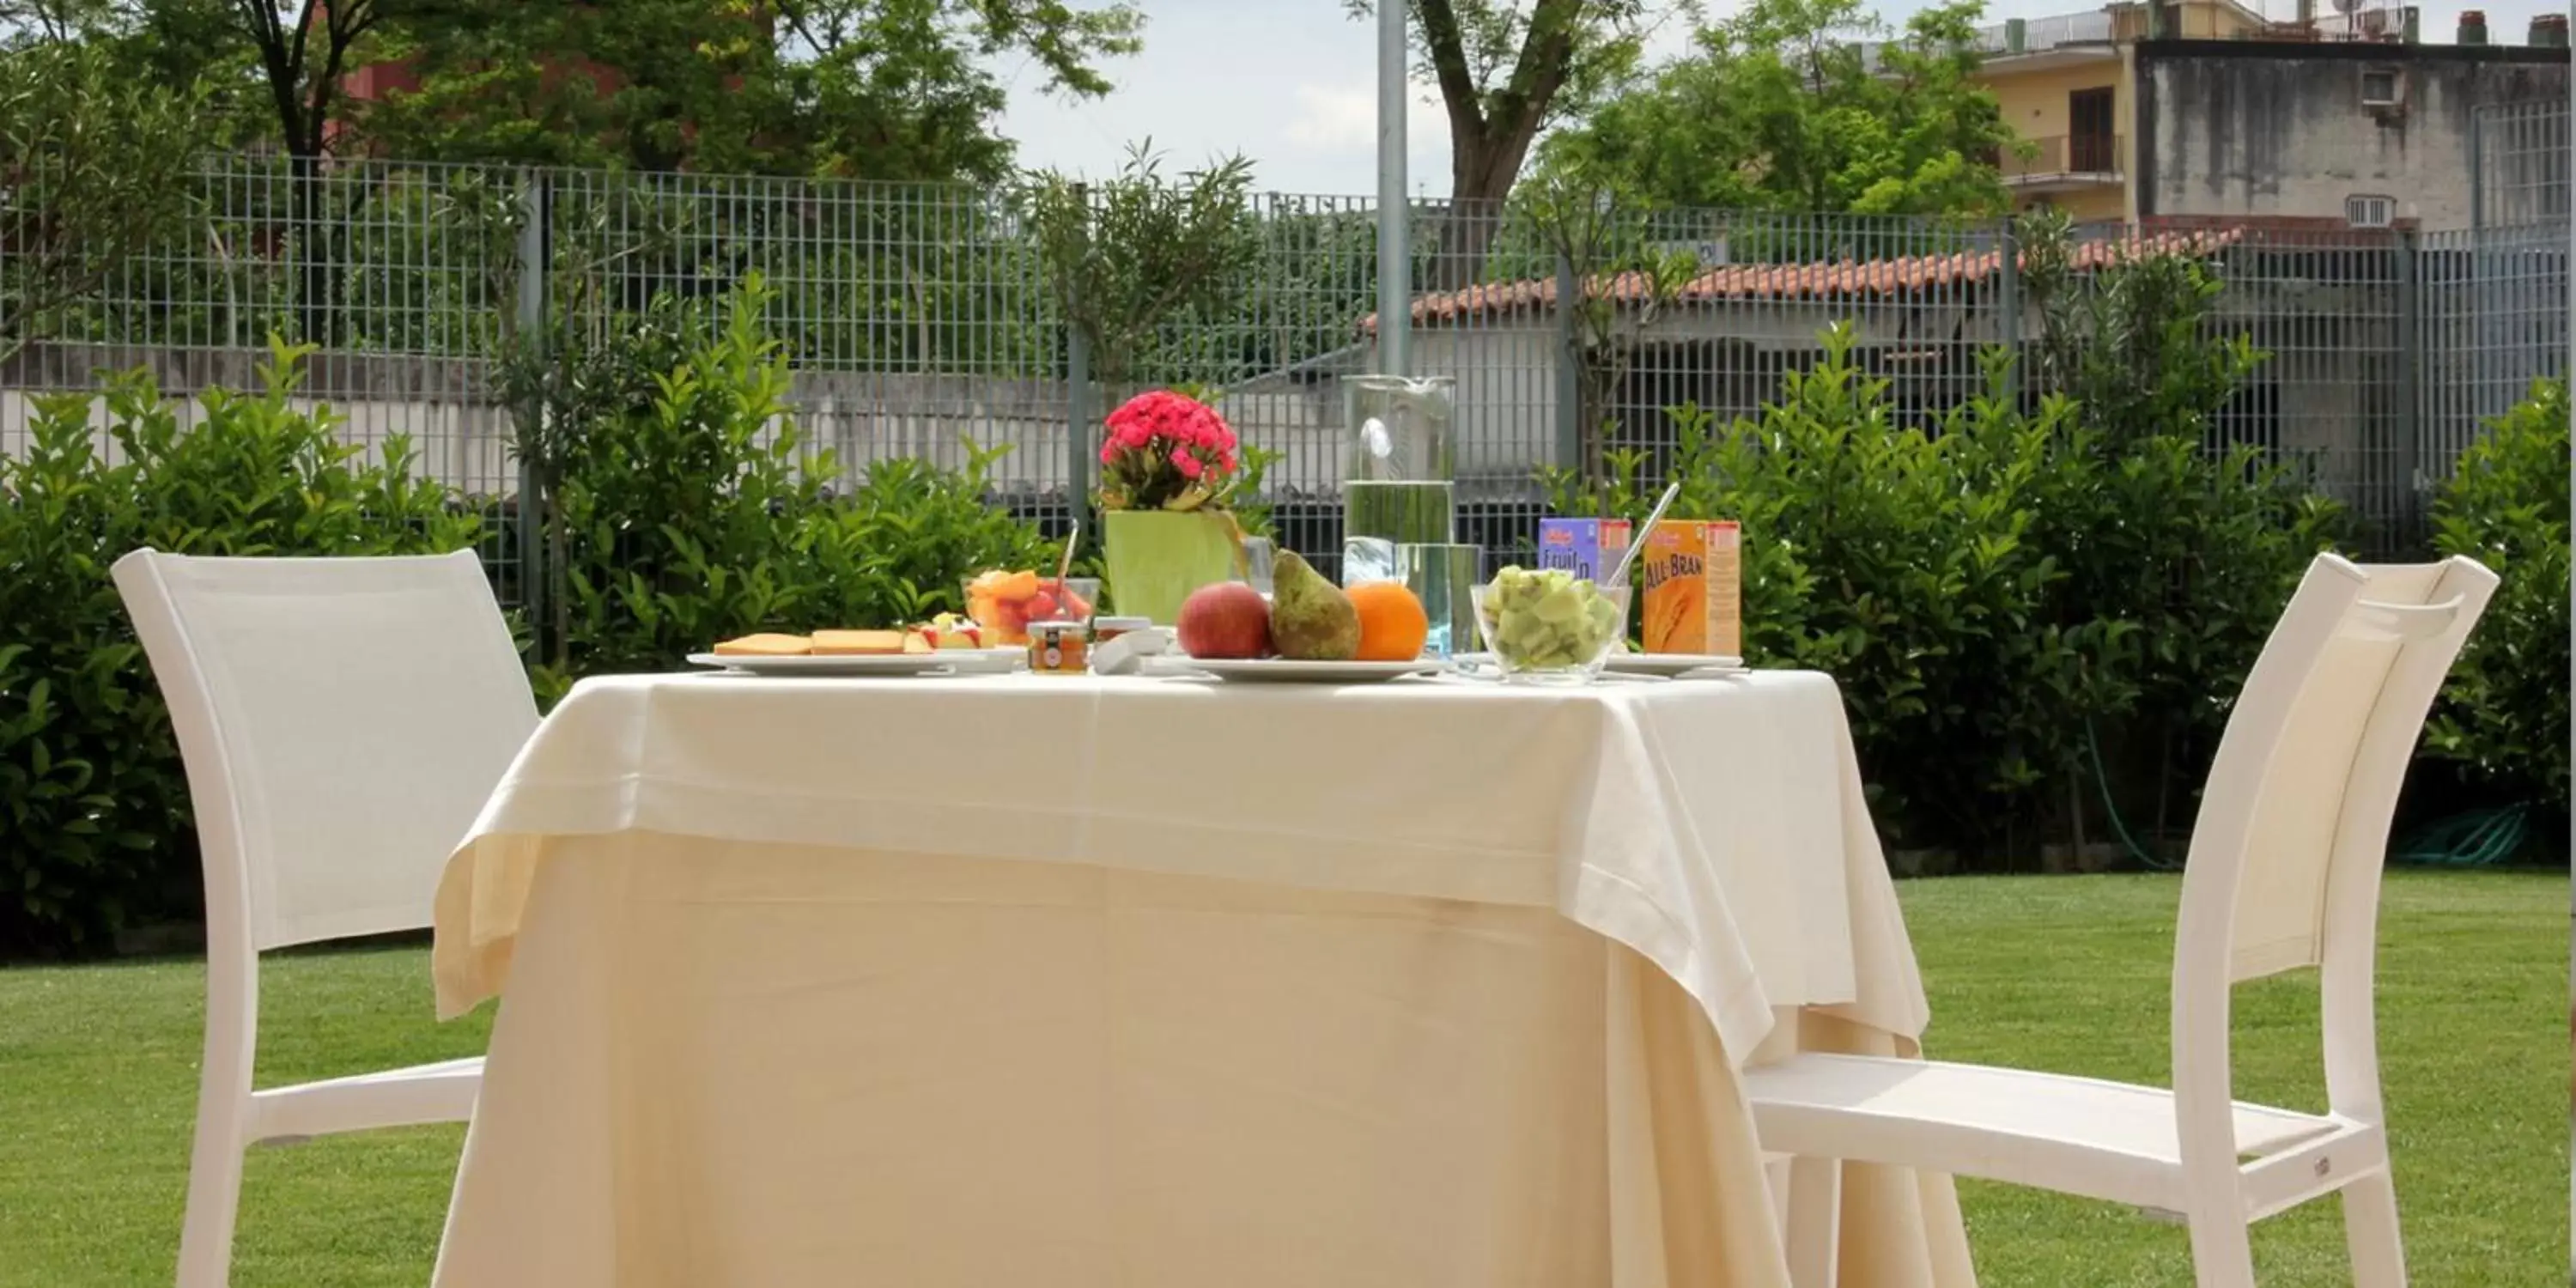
x,y
1311,620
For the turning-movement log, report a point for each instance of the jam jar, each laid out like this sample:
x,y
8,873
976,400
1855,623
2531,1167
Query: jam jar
x,y
1059,648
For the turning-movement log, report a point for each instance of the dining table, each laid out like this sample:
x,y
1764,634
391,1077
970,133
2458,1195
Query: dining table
x,y
1043,981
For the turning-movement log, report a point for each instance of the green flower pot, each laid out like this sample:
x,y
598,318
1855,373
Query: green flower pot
x,y
1157,557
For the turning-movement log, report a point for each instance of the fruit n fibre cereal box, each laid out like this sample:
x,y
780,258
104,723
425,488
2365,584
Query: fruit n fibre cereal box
x,y
1585,547
1693,578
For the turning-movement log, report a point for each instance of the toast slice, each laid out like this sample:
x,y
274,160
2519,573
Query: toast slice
x,y
767,645
857,643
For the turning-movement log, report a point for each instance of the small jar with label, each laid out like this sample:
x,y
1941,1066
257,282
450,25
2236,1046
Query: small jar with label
x,y
1105,629
1059,648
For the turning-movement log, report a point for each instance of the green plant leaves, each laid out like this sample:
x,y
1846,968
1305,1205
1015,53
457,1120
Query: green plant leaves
x,y
692,508
2503,717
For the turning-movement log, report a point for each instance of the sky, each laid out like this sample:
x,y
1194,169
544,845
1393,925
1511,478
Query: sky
x,y
1292,84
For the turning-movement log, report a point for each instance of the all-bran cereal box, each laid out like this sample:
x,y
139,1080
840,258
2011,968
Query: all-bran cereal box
x,y
1588,548
1692,574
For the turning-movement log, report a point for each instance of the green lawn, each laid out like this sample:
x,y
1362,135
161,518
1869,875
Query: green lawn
x,y
97,1082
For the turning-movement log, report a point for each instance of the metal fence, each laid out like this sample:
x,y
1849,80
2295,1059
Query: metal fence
x,y
920,318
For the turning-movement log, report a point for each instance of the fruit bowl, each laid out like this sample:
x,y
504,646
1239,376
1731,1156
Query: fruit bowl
x,y
1005,602
1550,626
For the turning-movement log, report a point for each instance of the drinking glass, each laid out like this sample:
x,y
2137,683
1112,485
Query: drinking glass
x,y
1258,555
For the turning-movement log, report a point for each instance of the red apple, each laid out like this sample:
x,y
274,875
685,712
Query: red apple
x,y
1226,620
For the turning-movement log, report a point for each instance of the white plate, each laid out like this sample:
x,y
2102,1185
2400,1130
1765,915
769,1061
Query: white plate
x,y
1671,663
973,661
1274,670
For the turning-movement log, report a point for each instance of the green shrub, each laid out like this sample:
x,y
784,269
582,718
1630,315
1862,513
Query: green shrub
x,y
94,822
1898,562
2503,716
1998,597
691,509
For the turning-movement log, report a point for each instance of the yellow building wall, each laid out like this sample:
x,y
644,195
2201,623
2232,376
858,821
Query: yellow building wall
x,y
2033,103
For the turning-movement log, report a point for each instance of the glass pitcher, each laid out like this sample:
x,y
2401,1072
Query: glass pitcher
x,y
1397,484
1400,429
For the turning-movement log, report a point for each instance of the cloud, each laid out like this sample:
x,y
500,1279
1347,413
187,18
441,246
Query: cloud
x,y
1334,119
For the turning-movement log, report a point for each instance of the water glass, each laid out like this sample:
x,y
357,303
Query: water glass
x,y
1444,578
1258,559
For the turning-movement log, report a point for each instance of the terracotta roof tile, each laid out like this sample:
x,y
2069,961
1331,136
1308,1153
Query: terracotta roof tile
x,y
1846,279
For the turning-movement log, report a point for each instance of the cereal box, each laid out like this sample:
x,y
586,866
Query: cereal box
x,y
1588,548
1692,575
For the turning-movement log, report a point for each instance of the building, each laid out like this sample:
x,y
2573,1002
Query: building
x,y
2365,135
2208,109
2065,84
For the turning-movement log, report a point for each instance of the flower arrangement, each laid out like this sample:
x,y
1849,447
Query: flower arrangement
x,y
1167,451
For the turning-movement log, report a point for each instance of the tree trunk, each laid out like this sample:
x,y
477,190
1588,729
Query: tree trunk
x,y
1485,162
312,249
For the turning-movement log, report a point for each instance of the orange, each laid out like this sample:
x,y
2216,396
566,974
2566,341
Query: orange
x,y
1393,627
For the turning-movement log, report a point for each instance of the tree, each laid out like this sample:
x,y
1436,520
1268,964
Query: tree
x,y
1593,225
878,89
1507,69
302,49
1780,108
1138,252
95,169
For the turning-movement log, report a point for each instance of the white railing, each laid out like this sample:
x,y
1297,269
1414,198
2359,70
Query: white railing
x,y
2038,35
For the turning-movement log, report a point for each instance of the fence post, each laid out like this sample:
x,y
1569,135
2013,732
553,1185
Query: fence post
x,y
2008,304
530,327
2406,442
1569,372
1079,414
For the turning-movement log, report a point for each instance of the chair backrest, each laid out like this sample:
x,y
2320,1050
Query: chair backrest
x,y
342,722
2293,827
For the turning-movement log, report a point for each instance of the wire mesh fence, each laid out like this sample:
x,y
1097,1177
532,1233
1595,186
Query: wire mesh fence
x,y
919,320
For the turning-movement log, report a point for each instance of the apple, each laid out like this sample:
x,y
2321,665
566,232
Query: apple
x,y
1226,620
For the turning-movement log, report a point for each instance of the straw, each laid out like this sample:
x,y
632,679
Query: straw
x,y
1071,539
1619,575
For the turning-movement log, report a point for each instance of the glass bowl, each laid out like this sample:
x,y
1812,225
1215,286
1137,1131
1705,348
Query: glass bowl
x,y
1004,602
1549,626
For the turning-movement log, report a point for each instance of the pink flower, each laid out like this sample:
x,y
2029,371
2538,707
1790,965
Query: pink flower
x,y
1134,434
1187,464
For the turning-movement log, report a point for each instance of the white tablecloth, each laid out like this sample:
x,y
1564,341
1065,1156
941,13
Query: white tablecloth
x,y
1025,980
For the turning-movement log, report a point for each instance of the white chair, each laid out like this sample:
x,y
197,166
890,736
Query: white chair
x,y
342,721
2284,872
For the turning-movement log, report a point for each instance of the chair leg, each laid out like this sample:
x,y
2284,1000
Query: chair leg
x,y
1815,1221
214,1200
2222,1251
1775,1175
2370,1232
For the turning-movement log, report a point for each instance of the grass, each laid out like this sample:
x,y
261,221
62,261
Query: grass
x,y
97,1088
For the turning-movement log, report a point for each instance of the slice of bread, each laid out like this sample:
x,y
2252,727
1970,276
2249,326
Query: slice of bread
x,y
857,643
766,646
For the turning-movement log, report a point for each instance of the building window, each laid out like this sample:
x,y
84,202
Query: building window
x,y
2379,87
2092,142
2370,210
